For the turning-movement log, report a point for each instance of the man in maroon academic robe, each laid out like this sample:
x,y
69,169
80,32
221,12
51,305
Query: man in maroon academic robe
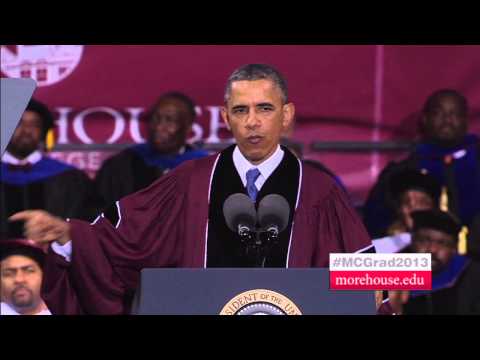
x,y
178,220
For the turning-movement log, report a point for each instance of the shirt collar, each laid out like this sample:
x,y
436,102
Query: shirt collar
x,y
31,159
6,309
266,168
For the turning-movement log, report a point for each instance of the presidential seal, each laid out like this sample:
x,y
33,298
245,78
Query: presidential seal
x,y
260,302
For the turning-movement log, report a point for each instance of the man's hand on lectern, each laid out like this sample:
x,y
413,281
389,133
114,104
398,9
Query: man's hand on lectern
x,y
42,227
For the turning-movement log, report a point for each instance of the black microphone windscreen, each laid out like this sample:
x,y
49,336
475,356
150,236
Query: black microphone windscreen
x,y
239,209
274,210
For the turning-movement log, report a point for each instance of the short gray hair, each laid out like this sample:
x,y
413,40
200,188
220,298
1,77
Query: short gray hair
x,y
252,72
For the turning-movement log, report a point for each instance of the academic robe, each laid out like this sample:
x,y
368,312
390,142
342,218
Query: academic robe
x,y
322,167
48,185
457,168
169,225
136,168
457,291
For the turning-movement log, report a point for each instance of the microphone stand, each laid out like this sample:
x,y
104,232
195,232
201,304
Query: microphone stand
x,y
253,242
260,250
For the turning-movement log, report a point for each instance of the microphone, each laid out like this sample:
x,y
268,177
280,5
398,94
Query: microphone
x,y
273,214
240,214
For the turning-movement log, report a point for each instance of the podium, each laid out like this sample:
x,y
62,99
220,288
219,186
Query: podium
x,y
250,291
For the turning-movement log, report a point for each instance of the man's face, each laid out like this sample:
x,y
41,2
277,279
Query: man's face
x,y
257,117
413,200
27,136
21,280
441,245
446,122
169,126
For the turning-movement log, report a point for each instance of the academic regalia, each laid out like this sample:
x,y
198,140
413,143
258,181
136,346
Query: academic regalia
x,y
23,247
48,185
455,288
407,180
413,179
322,167
136,168
457,168
177,222
455,291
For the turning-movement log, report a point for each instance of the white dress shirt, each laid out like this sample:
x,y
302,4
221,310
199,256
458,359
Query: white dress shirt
x,y
6,309
64,250
33,158
266,168
242,165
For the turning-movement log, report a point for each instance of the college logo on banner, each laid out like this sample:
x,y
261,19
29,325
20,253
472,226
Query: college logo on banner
x,y
46,64
260,302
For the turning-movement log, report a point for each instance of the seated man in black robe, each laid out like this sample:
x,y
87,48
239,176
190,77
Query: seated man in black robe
x,y
30,180
411,190
169,123
455,278
447,152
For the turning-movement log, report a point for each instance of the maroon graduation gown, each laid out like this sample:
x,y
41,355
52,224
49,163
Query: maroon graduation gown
x,y
165,225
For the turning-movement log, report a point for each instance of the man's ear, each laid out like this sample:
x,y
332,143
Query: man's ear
x,y
288,115
224,113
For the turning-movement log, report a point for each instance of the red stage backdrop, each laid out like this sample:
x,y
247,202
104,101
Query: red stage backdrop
x,y
341,93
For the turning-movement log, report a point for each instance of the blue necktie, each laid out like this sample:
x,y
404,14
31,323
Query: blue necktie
x,y
252,176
